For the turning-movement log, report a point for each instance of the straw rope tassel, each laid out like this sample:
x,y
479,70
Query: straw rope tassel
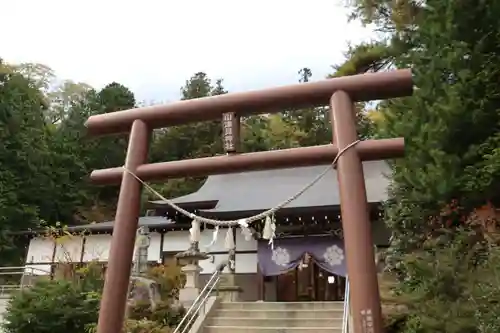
x,y
195,233
229,241
245,230
267,233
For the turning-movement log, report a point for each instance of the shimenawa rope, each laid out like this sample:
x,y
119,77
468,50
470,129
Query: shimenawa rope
x,y
246,221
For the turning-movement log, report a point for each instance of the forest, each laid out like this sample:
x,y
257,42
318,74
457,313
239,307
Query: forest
x,y
443,265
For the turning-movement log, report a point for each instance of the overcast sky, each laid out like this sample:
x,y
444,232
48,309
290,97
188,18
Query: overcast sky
x,y
153,46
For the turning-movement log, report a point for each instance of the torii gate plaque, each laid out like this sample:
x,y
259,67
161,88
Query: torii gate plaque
x,y
339,92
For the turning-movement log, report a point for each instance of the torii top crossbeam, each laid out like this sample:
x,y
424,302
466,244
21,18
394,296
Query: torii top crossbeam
x,y
339,93
364,87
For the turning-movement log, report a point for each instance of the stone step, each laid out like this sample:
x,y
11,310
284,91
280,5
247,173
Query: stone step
x,y
282,305
256,329
280,313
274,322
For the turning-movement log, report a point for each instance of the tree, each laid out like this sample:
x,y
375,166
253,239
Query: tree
x,y
442,204
62,97
451,124
191,140
395,17
305,74
454,288
80,154
313,125
397,20
448,178
40,76
24,162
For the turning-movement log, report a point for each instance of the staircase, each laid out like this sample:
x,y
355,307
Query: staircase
x,y
275,317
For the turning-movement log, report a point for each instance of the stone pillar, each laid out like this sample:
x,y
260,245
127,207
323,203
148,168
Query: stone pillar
x,y
228,290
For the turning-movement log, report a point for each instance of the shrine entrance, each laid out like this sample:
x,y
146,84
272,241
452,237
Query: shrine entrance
x,y
309,283
346,153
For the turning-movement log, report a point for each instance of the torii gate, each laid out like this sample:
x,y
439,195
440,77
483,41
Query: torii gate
x,y
340,93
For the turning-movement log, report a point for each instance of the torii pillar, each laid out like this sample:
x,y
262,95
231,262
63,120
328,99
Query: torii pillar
x,y
356,224
340,93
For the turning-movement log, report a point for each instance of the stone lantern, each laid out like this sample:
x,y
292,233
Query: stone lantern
x,y
191,268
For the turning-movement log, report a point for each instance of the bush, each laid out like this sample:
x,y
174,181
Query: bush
x,y
169,277
145,326
165,313
72,305
52,307
452,286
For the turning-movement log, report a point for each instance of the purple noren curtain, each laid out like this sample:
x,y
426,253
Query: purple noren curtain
x,y
327,253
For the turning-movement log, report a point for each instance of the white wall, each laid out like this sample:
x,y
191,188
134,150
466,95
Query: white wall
x,y
97,247
40,250
246,262
176,241
69,249
154,247
208,266
179,241
244,245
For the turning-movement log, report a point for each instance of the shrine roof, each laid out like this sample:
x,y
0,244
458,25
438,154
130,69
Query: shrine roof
x,y
260,190
206,196
144,221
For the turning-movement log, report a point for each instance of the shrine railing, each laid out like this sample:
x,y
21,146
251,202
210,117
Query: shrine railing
x,y
345,318
198,304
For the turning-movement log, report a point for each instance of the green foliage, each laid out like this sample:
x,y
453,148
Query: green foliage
x,y
145,326
388,15
366,57
72,304
52,306
454,286
170,278
24,164
446,273
165,314
451,124
44,120
142,325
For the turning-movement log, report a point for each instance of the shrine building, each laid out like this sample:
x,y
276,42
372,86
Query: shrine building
x,y
306,261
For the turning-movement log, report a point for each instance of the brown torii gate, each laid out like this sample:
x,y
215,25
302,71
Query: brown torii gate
x,y
340,93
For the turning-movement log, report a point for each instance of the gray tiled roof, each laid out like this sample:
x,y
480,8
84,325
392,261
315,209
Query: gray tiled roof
x,y
147,221
208,192
261,190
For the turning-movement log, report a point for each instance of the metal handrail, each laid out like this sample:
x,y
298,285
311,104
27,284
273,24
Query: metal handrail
x,y
6,290
19,270
25,271
194,309
345,318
